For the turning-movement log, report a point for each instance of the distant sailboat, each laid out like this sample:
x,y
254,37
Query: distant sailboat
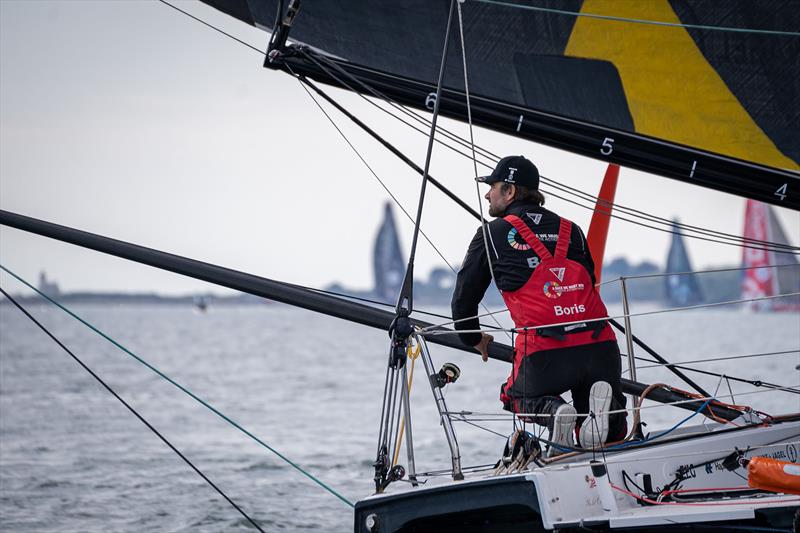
x,y
200,303
760,223
388,262
682,287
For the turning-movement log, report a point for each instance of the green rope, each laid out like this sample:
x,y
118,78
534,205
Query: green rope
x,y
641,21
182,388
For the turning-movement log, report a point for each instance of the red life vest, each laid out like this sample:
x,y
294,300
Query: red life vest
x,y
559,290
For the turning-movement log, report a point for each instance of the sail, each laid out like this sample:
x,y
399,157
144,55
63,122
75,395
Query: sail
x,y
666,98
682,287
387,259
768,273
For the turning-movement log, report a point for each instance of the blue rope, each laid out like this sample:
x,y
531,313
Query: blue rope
x,y
642,21
659,435
183,389
638,442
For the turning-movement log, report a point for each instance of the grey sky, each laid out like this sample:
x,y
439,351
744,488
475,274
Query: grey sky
x,y
131,120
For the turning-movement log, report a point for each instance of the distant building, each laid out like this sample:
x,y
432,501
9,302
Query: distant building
x,y
50,288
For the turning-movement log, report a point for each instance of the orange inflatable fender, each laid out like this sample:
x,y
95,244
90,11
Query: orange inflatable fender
x,y
773,475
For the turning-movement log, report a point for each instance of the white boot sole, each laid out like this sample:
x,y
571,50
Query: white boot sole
x,y
594,432
563,428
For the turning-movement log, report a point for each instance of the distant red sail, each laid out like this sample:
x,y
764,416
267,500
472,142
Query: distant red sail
x,y
757,282
760,223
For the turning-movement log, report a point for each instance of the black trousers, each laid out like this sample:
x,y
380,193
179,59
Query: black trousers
x,y
544,376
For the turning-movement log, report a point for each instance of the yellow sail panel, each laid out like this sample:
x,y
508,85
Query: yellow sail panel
x,y
673,93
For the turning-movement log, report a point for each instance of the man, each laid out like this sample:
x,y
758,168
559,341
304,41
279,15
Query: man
x,y
545,273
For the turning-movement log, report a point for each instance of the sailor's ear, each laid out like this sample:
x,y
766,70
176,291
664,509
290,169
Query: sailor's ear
x,y
512,190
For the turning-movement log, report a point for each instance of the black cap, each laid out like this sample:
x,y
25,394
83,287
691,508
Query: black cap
x,y
514,169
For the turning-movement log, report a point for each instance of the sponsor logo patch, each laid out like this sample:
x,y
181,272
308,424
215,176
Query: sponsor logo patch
x,y
535,217
547,237
512,241
552,289
558,272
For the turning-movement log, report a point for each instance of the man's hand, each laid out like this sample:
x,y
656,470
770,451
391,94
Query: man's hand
x,y
483,346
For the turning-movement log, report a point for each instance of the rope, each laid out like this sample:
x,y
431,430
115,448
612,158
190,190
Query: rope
x,y
183,389
413,355
131,409
643,21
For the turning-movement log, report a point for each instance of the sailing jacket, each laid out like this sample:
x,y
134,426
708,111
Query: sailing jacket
x,y
513,261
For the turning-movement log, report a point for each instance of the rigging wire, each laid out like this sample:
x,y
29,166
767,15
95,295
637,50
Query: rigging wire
x,y
374,174
317,58
641,21
201,21
388,145
131,409
546,180
386,188
487,236
737,239
183,389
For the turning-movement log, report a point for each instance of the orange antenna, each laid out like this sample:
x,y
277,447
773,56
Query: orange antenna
x,y
598,229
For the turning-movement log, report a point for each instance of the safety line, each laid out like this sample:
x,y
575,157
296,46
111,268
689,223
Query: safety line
x,y
431,330
502,417
713,359
641,21
130,408
182,388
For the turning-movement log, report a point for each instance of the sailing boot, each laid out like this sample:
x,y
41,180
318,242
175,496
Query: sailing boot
x,y
561,426
594,429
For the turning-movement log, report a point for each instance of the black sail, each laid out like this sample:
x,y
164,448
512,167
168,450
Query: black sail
x,y
719,109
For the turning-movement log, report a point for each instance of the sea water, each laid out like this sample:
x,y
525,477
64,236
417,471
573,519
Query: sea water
x,y
72,458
